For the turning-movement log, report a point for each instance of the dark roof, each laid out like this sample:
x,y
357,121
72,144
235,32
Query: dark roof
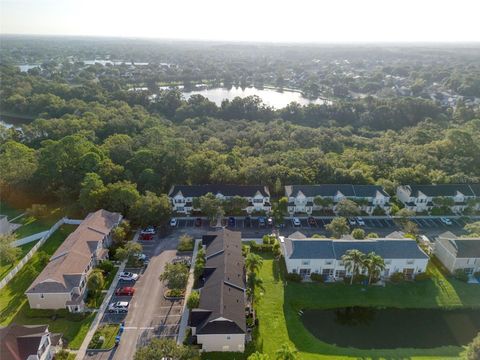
x,y
334,249
440,190
18,342
464,248
226,190
330,190
222,299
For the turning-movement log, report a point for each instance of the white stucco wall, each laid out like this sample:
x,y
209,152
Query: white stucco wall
x,y
222,342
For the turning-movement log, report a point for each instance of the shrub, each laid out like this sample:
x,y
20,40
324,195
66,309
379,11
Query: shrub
x,y
261,247
175,293
316,277
477,274
397,277
293,277
193,300
422,276
372,235
186,243
358,234
461,275
269,239
106,266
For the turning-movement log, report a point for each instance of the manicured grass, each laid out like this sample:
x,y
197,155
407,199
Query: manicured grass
x,y
109,278
280,323
14,306
5,268
109,332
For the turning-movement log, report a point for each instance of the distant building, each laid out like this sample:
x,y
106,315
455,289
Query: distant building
x,y
62,283
27,342
301,198
219,322
458,253
182,196
422,198
305,256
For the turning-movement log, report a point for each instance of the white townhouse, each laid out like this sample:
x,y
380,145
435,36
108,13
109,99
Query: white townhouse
x,y
458,253
305,256
182,196
62,283
301,197
421,198
28,342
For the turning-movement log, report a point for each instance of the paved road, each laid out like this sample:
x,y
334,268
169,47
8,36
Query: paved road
x,y
149,313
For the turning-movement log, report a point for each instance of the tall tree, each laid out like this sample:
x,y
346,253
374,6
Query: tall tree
x,y
151,209
338,227
374,264
352,260
8,252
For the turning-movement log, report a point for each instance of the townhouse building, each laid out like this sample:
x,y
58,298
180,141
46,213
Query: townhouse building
x,y
182,196
423,198
305,256
62,283
301,198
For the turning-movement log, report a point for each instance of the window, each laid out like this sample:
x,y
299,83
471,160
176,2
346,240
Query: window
x,y
228,337
258,201
410,262
294,271
305,262
328,262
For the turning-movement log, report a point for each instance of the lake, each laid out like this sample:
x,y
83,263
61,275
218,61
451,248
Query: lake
x,y
270,97
391,328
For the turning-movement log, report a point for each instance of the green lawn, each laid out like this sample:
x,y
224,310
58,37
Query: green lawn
x,y
109,332
14,306
11,212
279,305
5,268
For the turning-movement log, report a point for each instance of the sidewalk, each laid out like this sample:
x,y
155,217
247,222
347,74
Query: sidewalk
x,y
100,312
184,321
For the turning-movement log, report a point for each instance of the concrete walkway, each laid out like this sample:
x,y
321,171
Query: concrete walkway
x,y
100,312
184,321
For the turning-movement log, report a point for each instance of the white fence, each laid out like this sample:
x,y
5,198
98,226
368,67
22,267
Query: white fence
x,y
29,239
34,249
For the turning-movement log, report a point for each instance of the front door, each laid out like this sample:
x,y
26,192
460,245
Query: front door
x,y
304,272
408,273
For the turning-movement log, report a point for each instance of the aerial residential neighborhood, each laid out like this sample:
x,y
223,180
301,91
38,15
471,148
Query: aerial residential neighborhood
x,y
246,180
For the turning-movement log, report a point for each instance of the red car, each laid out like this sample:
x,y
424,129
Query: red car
x,y
146,237
125,291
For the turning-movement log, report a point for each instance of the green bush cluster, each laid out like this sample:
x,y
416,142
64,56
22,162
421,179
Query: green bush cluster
x,y
316,277
293,277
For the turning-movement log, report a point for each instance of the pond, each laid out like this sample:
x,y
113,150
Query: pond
x,y
271,97
391,328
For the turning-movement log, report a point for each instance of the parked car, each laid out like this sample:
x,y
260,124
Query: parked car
x,y
231,221
128,276
125,291
311,221
118,307
270,221
141,256
148,230
198,222
146,237
352,221
248,221
296,222
360,221
446,221
261,221
173,222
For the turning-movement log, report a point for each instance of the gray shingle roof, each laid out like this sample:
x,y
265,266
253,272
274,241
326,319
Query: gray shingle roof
x,y
335,249
226,190
463,248
330,190
223,295
441,190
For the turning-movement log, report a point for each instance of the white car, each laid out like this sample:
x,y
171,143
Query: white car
x,y
140,256
173,222
128,276
296,222
118,307
150,230
352,221
446,221
360,221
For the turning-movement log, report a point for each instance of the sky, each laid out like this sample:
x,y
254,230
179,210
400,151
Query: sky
x,y
321,21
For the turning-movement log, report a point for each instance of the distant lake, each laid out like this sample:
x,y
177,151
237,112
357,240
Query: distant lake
x,y
270,97
391,328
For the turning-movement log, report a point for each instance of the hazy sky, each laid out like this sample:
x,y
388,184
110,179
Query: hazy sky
x,y
249,20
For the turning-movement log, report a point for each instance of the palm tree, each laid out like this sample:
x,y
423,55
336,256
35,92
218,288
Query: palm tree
x,y
253,282
253,263
258,356
352,260
286,352
374,264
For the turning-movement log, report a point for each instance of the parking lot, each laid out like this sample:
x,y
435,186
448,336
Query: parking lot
x,y
382,226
